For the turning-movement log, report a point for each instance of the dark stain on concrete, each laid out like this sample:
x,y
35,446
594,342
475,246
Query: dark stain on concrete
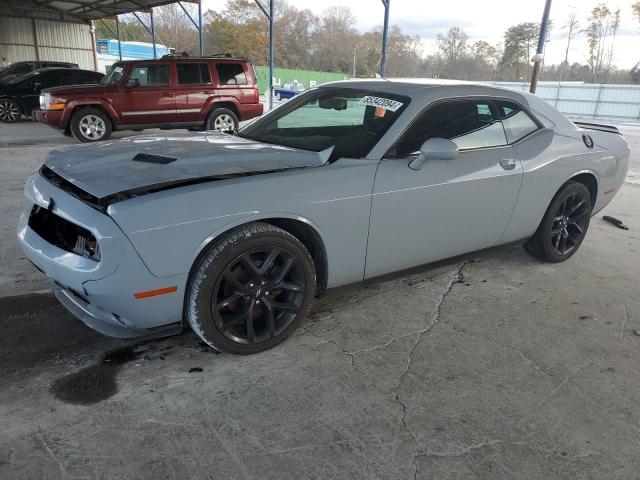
x,y
97,382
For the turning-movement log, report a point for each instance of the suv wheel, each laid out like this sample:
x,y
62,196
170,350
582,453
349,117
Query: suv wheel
x,y
221,120
90,125
10,111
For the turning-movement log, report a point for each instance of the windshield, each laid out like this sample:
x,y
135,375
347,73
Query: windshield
x,y
351,120
114,74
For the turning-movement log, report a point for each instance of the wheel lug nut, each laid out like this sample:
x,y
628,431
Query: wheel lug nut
x,y
251,285
263,283
257,302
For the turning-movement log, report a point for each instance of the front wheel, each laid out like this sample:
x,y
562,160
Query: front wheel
x,y
564,225
10,111
90,125
250,289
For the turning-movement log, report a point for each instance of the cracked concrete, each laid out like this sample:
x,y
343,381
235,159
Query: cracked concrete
x,y
492,366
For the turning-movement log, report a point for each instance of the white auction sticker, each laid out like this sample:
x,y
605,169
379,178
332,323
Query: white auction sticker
x,y
380,102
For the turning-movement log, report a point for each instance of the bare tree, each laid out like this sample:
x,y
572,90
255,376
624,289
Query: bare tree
x,y
453,44
572,25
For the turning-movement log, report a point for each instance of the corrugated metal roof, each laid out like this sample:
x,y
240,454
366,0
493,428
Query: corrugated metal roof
x,y
76,11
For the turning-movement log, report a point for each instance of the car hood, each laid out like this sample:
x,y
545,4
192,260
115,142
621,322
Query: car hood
x,y
92,88
107,168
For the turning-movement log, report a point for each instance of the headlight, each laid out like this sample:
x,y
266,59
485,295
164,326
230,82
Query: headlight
x,y
44,101
50,102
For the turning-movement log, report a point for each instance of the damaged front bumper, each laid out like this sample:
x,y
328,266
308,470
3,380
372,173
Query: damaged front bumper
x,y
100,292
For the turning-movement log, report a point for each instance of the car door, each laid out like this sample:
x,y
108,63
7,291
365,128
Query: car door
x,y
148,95
448,207
193,89
32,87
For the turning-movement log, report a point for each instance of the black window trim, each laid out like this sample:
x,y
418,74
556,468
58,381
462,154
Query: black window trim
x,y
390,153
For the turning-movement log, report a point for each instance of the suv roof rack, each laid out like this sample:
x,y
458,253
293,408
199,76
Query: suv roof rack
x,y
176,54
185,54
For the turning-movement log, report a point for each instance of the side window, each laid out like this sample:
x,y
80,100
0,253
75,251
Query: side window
x,y
517,123
231,74
193,73
151,75
468,123
21,69
49,79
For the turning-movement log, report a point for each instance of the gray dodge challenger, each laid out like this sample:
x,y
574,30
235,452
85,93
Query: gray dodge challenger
x,y
236,233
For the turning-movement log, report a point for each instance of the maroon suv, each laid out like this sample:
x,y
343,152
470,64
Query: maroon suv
x,y
214,93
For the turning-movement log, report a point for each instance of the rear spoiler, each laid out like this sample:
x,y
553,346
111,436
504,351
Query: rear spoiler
x,y
597,126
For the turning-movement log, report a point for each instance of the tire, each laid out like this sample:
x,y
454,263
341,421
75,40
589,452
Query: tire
x,y
90,125
10,110
254,273
221,120
563,226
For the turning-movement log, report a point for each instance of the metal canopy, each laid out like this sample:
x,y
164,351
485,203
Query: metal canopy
x,y
76,11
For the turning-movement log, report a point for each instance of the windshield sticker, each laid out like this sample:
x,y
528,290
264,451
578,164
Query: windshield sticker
x,y
379,102
118,69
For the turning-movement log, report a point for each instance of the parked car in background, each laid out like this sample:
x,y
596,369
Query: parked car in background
x,y
21,68
288,90
235,234
213,93
21,95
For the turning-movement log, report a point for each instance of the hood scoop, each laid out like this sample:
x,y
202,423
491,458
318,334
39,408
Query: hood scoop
x,y
153,158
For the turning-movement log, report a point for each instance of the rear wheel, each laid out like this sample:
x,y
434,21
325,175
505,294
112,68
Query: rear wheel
x,y
222,120
10,111
564,225
251,289
90,125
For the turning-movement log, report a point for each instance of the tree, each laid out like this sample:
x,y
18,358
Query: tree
x,y
636,10
572,24
603,23
519,41
453,45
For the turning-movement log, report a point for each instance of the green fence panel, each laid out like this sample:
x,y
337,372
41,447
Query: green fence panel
x,y
288,75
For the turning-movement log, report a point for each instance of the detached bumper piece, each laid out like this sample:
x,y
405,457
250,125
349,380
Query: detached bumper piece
x,y
104,322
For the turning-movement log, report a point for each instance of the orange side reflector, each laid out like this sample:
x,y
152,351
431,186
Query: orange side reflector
x,y
56,106
155,293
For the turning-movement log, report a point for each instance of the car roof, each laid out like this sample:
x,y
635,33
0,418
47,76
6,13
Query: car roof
x,y
185,59
427,89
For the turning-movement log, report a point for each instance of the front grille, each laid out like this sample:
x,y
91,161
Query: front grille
x,y
64,234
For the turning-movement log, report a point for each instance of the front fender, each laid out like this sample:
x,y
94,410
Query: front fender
x,y
169,229
73,105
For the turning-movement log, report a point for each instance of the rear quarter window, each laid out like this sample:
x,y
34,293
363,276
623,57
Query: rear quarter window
x,y
517,123
231,74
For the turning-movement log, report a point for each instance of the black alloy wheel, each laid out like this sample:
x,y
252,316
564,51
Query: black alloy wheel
x,y
258,295
569,224
250,289
564,225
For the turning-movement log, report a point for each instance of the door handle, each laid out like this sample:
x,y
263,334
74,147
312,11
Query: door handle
x,y
166,94
207,92
508,163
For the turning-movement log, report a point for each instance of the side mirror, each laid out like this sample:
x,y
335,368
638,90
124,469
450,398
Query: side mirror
x,y
435,149
133,83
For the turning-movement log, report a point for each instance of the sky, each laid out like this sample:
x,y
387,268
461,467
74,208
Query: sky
x,y
486,20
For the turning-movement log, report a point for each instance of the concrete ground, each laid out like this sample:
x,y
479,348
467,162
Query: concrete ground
x,y
488,366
